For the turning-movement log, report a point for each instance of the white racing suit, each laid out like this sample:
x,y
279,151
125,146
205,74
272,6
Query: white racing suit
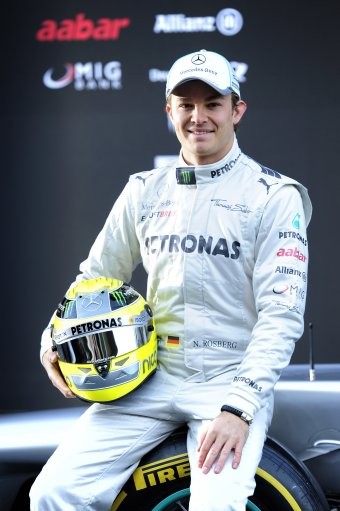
x,y
226,253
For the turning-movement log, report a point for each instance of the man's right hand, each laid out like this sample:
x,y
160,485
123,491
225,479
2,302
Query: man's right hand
x,y
50,363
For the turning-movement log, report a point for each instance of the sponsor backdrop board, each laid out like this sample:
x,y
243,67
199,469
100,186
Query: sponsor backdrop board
x,y
83,106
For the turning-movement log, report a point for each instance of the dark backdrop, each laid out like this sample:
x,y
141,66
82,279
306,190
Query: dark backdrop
x,y
68,143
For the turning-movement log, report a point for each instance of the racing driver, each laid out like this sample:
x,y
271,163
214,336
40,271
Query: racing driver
x,y
223,241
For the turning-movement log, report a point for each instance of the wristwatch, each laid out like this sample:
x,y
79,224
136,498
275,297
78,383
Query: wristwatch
x,y
239,413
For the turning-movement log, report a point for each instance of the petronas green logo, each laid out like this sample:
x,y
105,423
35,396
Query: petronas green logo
x,y
119,297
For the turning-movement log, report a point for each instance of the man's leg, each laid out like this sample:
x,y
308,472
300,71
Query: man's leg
x,y
102,449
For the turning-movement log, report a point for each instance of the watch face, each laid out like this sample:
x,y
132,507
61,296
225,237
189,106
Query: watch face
x,y
246,418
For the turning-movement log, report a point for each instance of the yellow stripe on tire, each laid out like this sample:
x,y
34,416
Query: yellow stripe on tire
x,y
120,498
279,487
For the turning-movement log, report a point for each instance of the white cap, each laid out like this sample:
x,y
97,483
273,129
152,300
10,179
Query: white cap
x,y
207,66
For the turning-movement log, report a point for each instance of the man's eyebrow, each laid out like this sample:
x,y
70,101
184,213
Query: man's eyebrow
x,y
215,96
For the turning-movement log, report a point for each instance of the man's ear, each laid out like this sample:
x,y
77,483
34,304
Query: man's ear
x,y
239,111
169,112
168,109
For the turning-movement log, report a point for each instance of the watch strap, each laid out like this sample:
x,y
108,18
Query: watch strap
x,y
239,413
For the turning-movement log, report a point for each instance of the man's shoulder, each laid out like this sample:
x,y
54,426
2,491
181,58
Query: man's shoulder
x,y
142,176
147,176
274,181
267,173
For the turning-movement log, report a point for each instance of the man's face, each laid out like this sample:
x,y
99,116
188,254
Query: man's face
x,y
204,121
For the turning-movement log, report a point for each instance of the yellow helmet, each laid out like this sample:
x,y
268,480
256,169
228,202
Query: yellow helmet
x,y
104,334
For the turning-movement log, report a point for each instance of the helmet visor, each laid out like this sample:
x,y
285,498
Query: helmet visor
x,y
91,348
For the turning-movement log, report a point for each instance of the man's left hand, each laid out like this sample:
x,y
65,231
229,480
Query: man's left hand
x,y
225,436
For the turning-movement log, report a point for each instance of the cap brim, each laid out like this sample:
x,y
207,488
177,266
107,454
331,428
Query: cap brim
x,y
223,92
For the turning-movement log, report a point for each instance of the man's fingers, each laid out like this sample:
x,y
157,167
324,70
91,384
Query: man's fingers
x,y
59,382
209,454
218,456
235,452
201,439
50,362
237,458
52,357
63,388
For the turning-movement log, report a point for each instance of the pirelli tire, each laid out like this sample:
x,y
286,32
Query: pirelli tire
x,y
161,481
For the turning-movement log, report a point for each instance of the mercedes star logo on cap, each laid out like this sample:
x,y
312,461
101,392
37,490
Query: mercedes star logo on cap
x,y
198,59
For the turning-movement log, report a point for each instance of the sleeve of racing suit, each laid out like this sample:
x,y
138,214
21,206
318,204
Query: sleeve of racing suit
x,y
115,252
46,340
279,286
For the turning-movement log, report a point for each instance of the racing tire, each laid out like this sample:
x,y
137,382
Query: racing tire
x,y
161,481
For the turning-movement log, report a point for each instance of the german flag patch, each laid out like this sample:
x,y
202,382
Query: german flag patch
x,y
172,342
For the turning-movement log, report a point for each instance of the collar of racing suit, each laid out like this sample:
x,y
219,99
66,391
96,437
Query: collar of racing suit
x,y
192,175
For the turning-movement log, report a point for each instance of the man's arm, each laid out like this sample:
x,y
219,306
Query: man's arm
x,y
279,326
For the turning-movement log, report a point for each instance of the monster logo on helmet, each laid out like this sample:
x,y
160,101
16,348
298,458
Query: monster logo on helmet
x,y
104,334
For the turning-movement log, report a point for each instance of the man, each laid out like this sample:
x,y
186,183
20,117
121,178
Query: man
x,y
223,240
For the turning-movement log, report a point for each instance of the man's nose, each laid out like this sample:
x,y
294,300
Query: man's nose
x,y
198,114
